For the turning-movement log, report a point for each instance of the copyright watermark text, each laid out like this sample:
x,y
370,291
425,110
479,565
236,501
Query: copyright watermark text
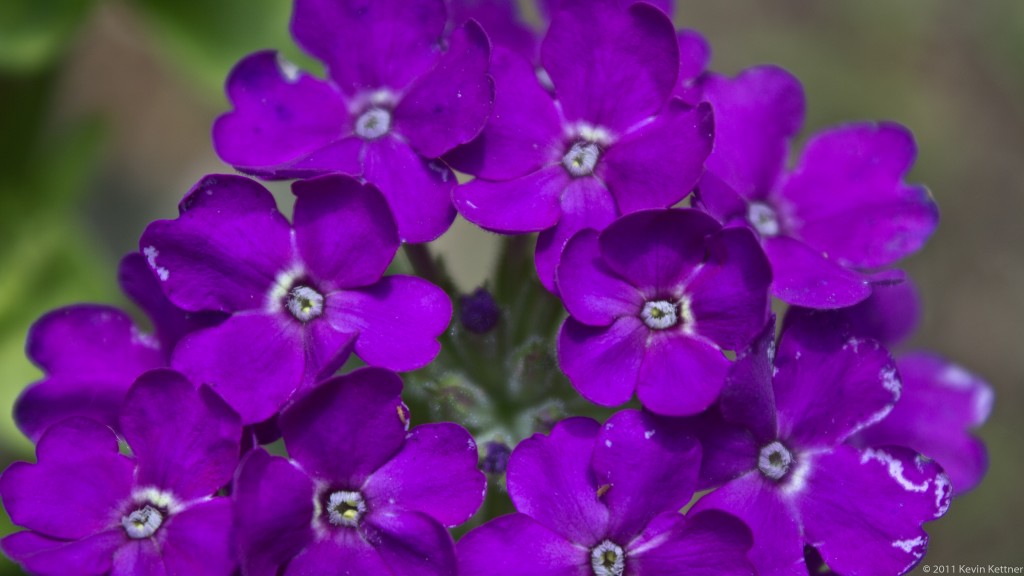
x,y
971,569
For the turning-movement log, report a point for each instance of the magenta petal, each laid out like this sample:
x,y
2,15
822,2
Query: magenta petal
x,y
503,22
526,204
861,377
449,105
805,277
359,415
729,450
185,441
91,556
435,473
273,512
524,131
889,315
344,231
369,45
871,505
550,480
659,164
680,375
848,195
748,398
139,557
940,404
586,203
650,466
516,545
398,321
254,361
411,544
224,250
198,541
729,294
91,354
418,190
77,459
756,115
694,55
142,286
657,249
280,114
592,293
603,363
615,77
326,556
778,543
708,543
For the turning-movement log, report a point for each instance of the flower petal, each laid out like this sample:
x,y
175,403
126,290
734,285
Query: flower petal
x,y
748,398
517,545
550,480
359,415
805,277
848,196
757,113
862,384
254,361
729,294
656,250
865,510
524,131
503,22
680,375
708,543
694,56
199,540
279,116
611,65
185,441
350,551
435,473
603,363
449,105
79,475
940,404
650,466
139,557
225,249
592,293
273,512
344,231
889,315
525,204
418,190
412,544
91,556
91,354
398,321
369,45
660,163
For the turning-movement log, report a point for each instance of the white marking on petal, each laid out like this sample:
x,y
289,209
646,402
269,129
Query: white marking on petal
x,y
442,170
957,377
143,339
151,253
943,490
608,443
158,498
289,71
909,546
891,382
797,480
545,79
649,433
895,469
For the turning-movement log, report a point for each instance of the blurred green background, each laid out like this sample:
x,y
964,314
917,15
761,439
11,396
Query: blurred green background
x,y
106,105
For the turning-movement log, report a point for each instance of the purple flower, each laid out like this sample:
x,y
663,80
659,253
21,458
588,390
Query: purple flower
x,y
612,141
91,353
502,20
941,402
90,510
399,95
300,298
778,446
653,302
605,500
842,210
362,495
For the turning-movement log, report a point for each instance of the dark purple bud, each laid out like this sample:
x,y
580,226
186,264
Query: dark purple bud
x,y
495,460
479,312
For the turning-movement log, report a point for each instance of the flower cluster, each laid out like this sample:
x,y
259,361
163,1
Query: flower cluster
x,y
261,427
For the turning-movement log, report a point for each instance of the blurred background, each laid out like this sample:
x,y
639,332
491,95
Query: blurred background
x,y
106,106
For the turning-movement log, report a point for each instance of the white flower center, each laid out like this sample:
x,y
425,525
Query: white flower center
x,y
345,508
581,158
305,303
660,314
143,522
608,559
775,460
373,123
763,218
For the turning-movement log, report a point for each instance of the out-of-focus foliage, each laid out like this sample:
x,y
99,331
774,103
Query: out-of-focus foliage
x,y
34,32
